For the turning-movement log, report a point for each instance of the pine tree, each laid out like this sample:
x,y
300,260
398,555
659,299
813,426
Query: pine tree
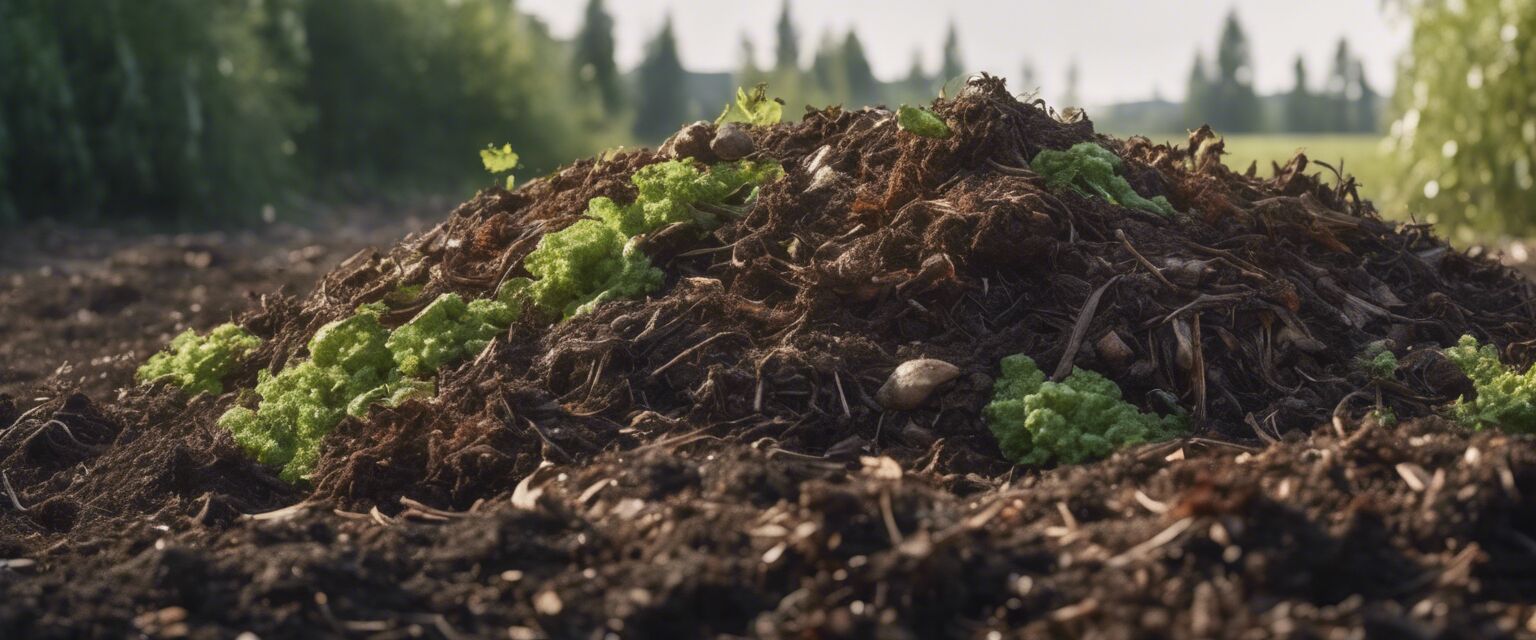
x,y
663,100
1340,85
953,65
593,59
863,88
1234,105
748,61
1365,102
1070,97
1298,103
1197,100
788,52
916,87
1028,82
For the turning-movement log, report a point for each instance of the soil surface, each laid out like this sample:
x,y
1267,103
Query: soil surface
x,y
712,461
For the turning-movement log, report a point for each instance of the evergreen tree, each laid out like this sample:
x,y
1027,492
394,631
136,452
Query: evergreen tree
x,y
916,87
1234,107
1197,99
748,62
1028,81
1070,97
863,88
593,58
663,101
828,71
1298,115
1365,102
1341,86
953,66
788,52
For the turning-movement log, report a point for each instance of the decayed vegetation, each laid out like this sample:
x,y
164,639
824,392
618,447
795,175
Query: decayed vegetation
x,y
845,359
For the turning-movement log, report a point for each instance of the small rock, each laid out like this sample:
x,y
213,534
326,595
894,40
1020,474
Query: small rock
x,y
732,142
1113,350
692,141
912,382
917,436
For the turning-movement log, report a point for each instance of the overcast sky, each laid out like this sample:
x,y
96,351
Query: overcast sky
x,y
1127,49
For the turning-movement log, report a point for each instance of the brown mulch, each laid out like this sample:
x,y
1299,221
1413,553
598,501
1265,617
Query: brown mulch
x,y
711,460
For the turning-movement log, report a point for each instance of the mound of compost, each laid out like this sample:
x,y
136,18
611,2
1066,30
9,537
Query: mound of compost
x,y
714,460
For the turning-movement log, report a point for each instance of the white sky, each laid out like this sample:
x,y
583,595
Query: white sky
x,y
1126,49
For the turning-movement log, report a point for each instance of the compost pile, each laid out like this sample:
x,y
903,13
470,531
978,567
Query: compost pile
x,y
715,459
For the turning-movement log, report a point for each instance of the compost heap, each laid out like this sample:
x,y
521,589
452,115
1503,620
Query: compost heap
x,y
713,459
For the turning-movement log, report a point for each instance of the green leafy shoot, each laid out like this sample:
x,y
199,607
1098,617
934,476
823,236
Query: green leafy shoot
x,y
754,109
198,364
499,161
598,259
1506,398
1037,421
1092,170
1377,362
353,364
921,122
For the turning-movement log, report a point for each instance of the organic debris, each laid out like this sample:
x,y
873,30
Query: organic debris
x,y
681,433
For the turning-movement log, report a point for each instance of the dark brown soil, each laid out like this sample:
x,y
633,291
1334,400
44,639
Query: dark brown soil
x,y
711,462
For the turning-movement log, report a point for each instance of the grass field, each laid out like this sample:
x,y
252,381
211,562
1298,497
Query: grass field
x,y
1359,155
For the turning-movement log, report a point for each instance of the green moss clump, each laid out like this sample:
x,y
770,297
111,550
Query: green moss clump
x,y
1504,396
1090,169
597,259
447,330
197,363
1037,421
353,364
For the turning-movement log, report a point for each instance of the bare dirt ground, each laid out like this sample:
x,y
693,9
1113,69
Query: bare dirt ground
x,y
83,308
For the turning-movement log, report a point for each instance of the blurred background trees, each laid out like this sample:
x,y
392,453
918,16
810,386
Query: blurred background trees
x,y
214,111
1466,114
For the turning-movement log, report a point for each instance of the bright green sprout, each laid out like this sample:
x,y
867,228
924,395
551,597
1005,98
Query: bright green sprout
x,y
353,364
754,109
197,363
1037,421
597,258
1504,396
498,161
921,122
1377,361
1090,169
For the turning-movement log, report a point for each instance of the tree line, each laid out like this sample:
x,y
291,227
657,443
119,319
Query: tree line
x,y
219,110
1221,93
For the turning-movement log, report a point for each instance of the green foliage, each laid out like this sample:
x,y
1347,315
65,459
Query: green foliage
x,y
498,161
597,258
1377,361
1465,128
355,363
151,107
593,59
1506,398
1090,169
447,330
405,90
921,122
1037,421
663,102
197,363
755,109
